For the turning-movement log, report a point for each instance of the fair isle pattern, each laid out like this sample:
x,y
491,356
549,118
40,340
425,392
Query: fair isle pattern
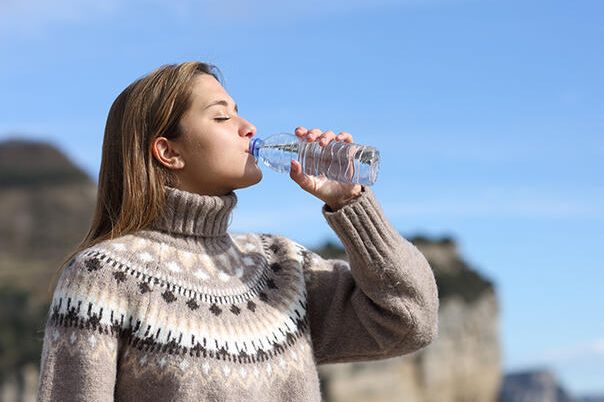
x,y
150,334
144,363
296,359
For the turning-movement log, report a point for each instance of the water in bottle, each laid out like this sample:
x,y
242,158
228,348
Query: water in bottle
x,y
341,161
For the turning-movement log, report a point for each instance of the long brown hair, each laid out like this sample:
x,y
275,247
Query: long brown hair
x,y
130,194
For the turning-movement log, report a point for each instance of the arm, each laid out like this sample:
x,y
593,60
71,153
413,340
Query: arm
x,y
81,342
383,303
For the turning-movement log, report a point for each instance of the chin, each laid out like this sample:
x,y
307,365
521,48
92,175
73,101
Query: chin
x,y
258,178
251,179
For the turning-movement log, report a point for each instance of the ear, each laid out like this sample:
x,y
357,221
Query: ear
x,y
165,152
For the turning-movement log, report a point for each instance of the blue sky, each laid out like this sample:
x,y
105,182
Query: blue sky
x,y
488,116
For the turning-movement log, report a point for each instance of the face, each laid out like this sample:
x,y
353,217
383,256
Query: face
x,y
210,157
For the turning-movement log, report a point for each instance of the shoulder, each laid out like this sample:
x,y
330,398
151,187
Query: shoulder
x,y
96,288
107,258
276,247
89,270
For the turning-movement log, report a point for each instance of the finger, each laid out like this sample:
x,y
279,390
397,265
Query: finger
x,y
300,131
295,169
326,137
313,134
344,136
295,172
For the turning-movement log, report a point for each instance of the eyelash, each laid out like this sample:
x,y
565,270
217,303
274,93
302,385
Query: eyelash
x,y
222,118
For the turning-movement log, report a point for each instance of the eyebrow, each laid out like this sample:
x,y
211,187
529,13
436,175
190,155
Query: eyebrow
x,y
221,102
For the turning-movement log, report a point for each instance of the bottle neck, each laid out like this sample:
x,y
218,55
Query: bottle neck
x,y
255,145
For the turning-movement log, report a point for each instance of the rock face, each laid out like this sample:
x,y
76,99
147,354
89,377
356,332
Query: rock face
x,y
533,386
462,364
599,398
21,385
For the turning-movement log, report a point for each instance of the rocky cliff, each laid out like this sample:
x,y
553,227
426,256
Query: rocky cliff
x,y
599,398
533,386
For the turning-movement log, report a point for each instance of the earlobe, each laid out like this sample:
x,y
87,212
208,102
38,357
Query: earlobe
x,y
165,154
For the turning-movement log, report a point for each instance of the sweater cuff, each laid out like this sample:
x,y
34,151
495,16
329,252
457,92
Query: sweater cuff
x,y
363,228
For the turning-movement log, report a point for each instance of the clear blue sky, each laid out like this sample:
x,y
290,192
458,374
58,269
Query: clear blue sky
x,y
488,114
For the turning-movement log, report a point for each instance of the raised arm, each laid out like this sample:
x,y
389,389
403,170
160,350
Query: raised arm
x,y
383,303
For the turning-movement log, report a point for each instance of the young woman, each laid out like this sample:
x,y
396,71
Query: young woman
x,y
161,303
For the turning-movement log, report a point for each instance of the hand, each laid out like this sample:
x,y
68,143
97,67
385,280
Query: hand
x,y
333,193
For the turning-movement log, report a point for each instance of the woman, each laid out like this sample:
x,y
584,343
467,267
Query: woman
x,y
161,303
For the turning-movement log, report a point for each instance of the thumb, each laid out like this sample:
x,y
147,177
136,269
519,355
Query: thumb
x,y
295,172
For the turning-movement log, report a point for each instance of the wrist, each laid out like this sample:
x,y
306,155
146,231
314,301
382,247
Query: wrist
x,y
355,193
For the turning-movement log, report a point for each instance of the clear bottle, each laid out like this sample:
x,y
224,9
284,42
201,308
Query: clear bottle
x,y
341,161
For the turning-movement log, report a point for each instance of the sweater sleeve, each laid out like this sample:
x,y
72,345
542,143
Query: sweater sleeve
x,y
383,303
82,333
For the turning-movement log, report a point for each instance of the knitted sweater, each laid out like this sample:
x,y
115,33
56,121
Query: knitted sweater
x,y
186,311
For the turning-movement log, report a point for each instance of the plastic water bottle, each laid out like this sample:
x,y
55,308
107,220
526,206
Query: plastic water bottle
x,y
341,161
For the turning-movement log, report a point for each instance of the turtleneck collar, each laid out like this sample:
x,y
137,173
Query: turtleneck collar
x,y
192,214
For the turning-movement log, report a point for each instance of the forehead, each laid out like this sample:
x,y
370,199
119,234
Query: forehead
x,y
207,89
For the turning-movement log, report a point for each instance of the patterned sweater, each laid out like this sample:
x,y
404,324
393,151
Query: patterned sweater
x,y
186,311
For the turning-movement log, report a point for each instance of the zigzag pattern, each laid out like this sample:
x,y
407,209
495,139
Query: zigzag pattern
x,y
296,358
142,363
259,351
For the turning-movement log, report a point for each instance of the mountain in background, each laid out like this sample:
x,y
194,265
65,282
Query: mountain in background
x,y
533,386
47,204
28,164
599,398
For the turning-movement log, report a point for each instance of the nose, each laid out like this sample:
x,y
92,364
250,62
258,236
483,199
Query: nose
x,y
248,129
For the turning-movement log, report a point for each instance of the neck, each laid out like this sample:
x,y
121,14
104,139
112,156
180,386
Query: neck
x,y
192,214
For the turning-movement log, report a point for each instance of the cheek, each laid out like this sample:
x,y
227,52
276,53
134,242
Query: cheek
x,y
198,151
217,160
214,152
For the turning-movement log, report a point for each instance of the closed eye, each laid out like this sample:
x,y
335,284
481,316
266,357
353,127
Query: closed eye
x,y
222,118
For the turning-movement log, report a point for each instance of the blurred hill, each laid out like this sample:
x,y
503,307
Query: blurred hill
x,y
28,164
47,205
533,386
592,399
